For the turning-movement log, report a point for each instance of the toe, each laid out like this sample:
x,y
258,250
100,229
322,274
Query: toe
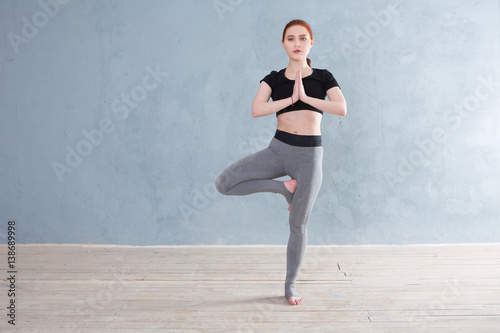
x,y
295,300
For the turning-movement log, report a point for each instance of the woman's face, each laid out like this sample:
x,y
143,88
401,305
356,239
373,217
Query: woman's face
x,y
297,43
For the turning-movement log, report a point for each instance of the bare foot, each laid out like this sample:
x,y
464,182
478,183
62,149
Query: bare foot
x,y
293,300
291,185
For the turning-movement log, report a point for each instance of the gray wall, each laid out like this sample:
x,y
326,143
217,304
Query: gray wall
x,y
116,117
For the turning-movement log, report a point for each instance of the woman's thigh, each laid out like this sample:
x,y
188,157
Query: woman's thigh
x,y
265,164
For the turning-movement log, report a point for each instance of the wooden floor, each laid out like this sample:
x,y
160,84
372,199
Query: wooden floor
x,y
79,288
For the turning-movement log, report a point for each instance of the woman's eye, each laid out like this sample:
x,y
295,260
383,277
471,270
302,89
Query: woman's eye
x,y
290,39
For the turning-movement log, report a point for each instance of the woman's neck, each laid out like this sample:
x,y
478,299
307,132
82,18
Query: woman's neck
x,y
294,66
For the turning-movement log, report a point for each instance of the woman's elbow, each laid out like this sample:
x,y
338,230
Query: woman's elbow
x,y
343,110
255,111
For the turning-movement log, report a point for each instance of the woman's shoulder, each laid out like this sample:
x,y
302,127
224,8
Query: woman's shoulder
x,y
326,77
323,74
274,77
321,71
278,73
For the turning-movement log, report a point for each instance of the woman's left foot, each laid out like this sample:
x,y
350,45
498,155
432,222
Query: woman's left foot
x,y
291,185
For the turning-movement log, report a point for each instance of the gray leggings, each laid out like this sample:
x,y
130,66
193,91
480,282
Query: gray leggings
x,y
255,173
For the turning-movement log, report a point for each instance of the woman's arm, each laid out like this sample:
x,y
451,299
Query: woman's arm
x,y
335,105
336,102
261,105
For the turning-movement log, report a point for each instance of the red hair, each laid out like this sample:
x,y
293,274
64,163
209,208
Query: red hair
x,y
303,24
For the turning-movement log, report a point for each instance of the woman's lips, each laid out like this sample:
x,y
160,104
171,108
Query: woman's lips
x,y
297,51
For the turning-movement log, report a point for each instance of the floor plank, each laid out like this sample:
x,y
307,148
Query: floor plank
x,y
94,288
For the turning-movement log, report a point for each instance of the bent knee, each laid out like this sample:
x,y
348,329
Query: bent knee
x,y
221,184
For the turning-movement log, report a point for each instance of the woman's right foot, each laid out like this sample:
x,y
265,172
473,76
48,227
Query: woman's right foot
x,y
291,185
294,300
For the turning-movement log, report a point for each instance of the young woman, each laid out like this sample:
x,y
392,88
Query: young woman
x,y
298,93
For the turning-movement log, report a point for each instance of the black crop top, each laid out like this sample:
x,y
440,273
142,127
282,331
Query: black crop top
x,y
315,85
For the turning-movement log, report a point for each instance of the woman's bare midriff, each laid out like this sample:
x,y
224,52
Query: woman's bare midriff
x,y
303,122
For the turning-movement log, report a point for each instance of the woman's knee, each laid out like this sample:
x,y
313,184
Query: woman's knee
x,y
223,183
228,178
299,229
219,184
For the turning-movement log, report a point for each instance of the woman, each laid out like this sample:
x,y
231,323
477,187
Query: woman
x,y
298,93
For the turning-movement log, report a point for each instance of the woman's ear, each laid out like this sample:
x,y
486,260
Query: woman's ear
x,y
312,41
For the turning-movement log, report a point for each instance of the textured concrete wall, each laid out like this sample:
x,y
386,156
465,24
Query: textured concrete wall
x,y
116,117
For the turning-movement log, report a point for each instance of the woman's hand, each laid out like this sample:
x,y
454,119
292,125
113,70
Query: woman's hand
x,y
299,92
296,88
